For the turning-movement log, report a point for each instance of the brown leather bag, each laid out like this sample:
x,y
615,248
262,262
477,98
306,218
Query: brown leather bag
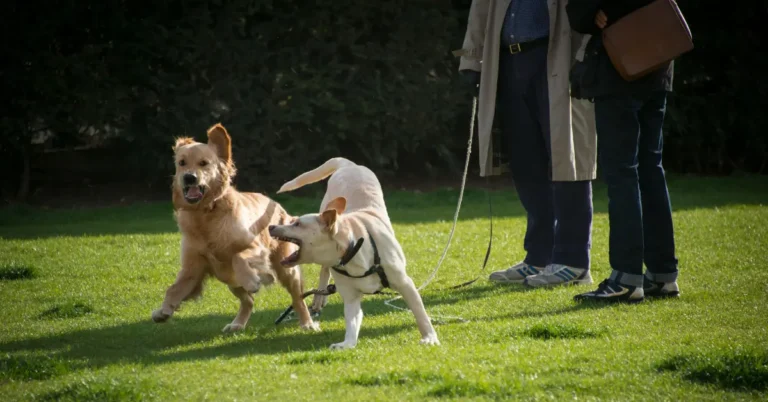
x,y
647,39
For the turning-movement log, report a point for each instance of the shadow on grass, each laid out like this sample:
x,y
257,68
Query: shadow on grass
x,y
739,371
440,296
13,272
200,338
374,305
182,339
30,368
545,313
560,331
438,385
67,310
147,343
405,207
86,391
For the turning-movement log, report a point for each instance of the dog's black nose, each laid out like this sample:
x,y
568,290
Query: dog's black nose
x,y
271,228
190,179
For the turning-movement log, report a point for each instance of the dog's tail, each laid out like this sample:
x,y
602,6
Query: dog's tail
x,y
317,174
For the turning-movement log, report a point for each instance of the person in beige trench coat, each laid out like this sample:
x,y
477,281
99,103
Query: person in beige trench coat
x,y
519,53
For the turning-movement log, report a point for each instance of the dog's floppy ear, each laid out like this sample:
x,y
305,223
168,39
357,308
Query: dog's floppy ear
x,y
220,140
338,203
181,141
329,217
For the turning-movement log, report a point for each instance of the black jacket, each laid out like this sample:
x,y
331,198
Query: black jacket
x,y
596,76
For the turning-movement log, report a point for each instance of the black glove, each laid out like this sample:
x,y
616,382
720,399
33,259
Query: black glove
x,y
471,78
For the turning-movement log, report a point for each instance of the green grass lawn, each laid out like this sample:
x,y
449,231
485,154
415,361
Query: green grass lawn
x,y
77,288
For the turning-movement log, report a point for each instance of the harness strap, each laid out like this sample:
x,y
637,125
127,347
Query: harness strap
x,y
351,252
376,268
377,264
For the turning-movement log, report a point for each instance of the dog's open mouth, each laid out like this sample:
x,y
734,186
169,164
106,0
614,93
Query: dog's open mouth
x,y
292,259
193,194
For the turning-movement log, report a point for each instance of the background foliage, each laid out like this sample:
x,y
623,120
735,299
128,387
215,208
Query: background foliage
x,y
297,82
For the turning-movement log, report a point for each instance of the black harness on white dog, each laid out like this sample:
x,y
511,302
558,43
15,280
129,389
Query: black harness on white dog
x,y
376,268
351,252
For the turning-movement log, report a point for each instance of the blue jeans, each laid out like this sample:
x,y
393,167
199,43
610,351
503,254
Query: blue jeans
x,y
559,213
629,138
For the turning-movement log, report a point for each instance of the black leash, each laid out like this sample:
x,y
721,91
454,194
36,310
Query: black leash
x,y
331,289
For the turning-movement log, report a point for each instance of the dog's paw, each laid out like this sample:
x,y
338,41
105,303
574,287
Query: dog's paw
x,y
233,327
430,339
318,302
343,345
312,326
159,316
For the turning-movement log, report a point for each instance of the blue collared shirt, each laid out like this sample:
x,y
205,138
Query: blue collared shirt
x,y
525,21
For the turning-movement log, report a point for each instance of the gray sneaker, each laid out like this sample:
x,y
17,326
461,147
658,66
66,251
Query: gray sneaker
x,y
558,274
515,274
660,289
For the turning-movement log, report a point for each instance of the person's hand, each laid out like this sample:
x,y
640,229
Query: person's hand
x,y
601,20
471,78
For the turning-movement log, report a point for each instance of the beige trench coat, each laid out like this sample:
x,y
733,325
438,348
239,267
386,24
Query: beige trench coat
x,y
572,125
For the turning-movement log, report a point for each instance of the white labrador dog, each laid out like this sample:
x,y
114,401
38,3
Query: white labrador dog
x,y
352,236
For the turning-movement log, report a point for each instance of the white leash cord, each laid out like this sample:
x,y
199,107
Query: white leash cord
x,y
455,219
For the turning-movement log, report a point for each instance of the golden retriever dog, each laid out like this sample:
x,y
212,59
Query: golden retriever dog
x,y
352,236
224,233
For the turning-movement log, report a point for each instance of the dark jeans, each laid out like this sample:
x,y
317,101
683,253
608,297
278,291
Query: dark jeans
x,y
629,138
559,213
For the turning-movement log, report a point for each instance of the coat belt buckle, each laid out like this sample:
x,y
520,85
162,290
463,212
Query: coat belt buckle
x,y
514,48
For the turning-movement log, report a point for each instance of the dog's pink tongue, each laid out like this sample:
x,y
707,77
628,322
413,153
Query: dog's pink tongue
x,y
194,192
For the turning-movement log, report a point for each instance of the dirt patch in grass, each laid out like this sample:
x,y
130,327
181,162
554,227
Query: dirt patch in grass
x,y
67,310
12,272
561,331
740,370
30,368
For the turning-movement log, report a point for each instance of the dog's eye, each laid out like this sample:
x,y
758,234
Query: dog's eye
x,y
203,163
182,162
296,223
